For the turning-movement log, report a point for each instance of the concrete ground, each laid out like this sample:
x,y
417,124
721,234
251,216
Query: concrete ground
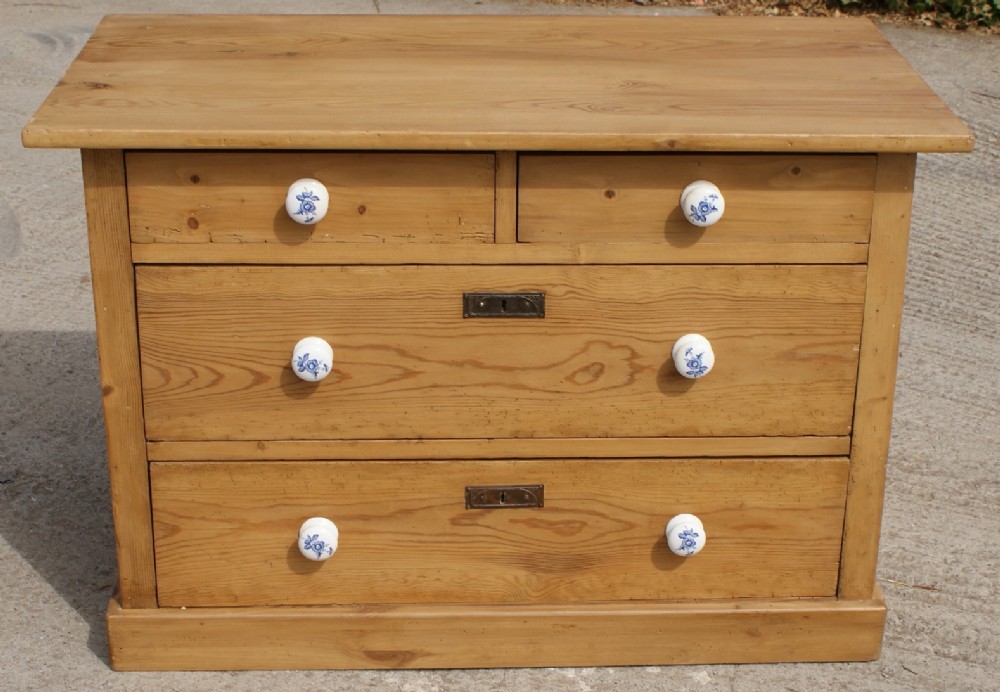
x,y
941,535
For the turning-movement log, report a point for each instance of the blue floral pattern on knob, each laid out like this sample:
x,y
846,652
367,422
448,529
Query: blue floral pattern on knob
x,y
695,367
317,546
702,203
688,541
700,211
313,366
693,356
307,205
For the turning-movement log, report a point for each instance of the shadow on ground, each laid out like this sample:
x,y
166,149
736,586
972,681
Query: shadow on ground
x,y
53,475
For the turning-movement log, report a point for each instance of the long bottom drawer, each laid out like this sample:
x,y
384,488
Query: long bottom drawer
x,y
226,533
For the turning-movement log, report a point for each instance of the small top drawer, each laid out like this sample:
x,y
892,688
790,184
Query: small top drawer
x,y
635,198
239,197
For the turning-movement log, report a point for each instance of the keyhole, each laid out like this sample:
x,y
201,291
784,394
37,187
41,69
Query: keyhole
x,y
503,305
503,497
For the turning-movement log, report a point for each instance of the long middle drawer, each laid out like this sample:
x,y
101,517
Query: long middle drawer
x,y
216,346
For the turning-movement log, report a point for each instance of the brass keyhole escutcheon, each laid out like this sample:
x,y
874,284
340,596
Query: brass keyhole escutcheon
x,y
530,305
504,496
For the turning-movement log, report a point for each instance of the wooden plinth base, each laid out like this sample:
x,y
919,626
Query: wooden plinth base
x,y
487,636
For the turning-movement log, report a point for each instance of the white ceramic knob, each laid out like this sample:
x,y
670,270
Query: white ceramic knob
x,y
318,538
702,203
307,201
685,535
312,359
693,356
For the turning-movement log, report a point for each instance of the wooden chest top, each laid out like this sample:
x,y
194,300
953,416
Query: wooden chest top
x,y
509,83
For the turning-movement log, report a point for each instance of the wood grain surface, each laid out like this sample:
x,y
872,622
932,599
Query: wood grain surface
x,y
121,393
226,532
635,198
495,448
216,347
226,197
877,372
494,83
506,197
737,251
495,636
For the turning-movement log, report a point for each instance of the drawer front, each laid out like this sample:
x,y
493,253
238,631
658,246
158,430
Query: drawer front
x,y
608,198
226,533
224,197
216,345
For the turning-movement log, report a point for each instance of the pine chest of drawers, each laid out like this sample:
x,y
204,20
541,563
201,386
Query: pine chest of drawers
x,y
482,341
